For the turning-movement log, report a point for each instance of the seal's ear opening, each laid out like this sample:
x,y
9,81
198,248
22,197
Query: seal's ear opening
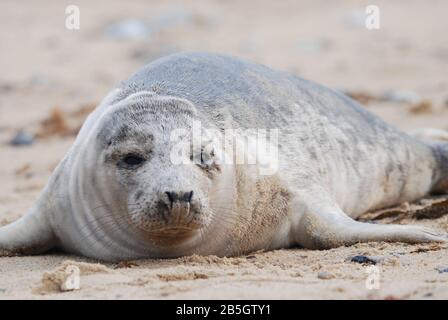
x,y
31,234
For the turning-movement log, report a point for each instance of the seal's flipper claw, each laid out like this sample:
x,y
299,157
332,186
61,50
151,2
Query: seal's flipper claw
x,y
330,229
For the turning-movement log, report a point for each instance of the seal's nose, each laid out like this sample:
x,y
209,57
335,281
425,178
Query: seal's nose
x,y
181,197
179,206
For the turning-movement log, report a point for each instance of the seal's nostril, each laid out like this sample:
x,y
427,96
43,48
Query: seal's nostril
x,y
188,196
171,196
179,196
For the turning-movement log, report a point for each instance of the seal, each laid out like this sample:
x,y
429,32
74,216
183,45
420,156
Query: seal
x,y
150,176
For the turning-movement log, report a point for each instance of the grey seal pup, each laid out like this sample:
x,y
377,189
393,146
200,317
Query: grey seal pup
x,y
118,194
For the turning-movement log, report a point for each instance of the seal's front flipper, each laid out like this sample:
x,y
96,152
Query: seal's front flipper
x,y
31,234
324,229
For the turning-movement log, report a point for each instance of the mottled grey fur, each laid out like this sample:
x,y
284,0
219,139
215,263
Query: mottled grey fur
x,y
336,161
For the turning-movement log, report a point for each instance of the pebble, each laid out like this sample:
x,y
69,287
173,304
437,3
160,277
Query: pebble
x,y
442,269
324,275
363,259
401,96
128,29
144,29
22,139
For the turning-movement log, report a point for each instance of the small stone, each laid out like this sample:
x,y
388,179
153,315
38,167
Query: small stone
x,y
401,96
324,275
363,259
442,269
128,29
22,139
145,29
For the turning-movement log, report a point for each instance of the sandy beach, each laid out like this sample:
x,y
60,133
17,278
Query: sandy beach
x,y
53,77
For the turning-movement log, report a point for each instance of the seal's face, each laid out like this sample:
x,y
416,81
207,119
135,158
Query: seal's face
x,y
166,198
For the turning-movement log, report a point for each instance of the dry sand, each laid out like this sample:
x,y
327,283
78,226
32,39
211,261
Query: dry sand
x,y
46,67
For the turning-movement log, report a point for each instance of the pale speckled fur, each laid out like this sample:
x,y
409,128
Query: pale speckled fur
x,y
336,161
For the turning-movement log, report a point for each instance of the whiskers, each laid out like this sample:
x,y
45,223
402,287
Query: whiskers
x,y
228,226
118,229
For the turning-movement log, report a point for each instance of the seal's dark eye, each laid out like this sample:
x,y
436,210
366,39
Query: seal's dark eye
x,y
132,160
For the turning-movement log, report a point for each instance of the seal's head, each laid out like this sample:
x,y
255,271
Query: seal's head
x,y
160,178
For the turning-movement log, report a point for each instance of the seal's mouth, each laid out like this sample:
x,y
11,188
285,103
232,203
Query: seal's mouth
x,y
177,213
174,231
173,235
181,213
168,224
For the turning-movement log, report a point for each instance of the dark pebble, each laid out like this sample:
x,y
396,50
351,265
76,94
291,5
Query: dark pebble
x,y
362,259
22,139
443,269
